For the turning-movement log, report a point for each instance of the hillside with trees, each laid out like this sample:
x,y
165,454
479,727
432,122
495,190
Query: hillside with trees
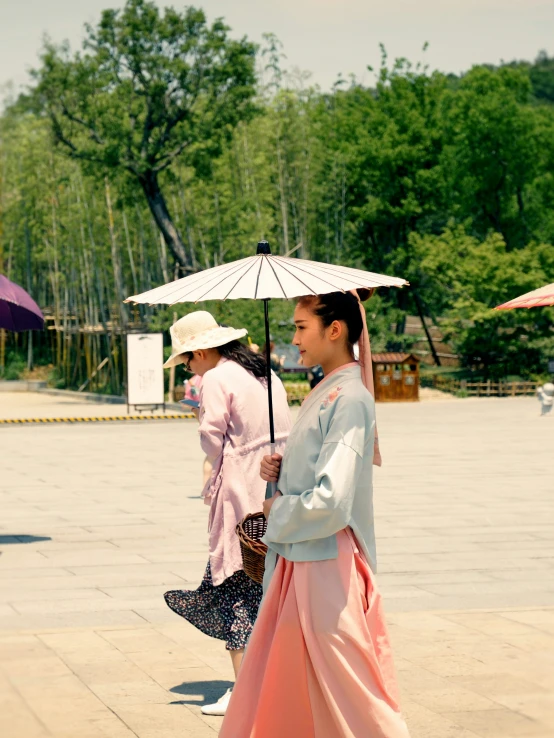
x,y
164,146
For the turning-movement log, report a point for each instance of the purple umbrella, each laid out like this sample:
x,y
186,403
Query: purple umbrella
x,y
18,310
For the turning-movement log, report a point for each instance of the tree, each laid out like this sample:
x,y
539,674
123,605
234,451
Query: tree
x,y
541,74
495,145
381,162
448,182
146,89
464,279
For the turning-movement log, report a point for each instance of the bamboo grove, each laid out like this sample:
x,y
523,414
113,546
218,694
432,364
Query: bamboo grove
x,y
446,181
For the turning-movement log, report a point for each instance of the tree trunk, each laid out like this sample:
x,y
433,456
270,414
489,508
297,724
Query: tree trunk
x,y
283,197
131,257
188,227
28,248
421,314
158,208
119,288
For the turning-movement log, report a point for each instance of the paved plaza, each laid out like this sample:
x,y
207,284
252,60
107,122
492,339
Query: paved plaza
x,y
26,405
98,521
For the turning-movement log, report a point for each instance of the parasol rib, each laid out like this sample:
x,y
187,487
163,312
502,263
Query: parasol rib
x,y
277,278
218,280
233,267
310,290
258,278
314,267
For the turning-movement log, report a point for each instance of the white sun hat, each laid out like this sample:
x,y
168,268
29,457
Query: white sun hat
x,y
196,331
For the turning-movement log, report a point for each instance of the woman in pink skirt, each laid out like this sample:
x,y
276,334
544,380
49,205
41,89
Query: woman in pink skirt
x,y
319,662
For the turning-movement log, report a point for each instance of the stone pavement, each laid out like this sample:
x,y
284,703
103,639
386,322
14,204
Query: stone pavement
x,y
43,405
98,521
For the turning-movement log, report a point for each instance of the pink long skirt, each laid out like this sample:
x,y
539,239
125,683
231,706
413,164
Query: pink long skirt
x,y
319,661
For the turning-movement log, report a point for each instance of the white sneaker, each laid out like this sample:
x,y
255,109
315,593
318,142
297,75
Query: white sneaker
x,y
220,707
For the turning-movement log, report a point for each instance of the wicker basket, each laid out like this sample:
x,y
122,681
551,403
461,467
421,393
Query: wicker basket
x,y
249,531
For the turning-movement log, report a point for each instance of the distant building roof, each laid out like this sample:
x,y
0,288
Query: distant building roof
x,y
393,358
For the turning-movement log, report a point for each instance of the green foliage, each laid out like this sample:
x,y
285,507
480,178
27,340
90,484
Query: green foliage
x,y
146,87
465,278
145,90
56,379
401,182
14,368
497,145
541,75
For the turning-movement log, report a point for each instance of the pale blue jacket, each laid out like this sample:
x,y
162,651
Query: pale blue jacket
x,y
326,474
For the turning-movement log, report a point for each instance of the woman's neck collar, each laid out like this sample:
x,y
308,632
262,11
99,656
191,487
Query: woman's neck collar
x,y
335,365
340,368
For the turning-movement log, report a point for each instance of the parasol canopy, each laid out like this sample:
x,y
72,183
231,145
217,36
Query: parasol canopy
x,y
18,310
537,298
262,277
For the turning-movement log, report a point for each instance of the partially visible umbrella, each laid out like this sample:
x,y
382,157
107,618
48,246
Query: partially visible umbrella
x,y
537,298
18,310
263,277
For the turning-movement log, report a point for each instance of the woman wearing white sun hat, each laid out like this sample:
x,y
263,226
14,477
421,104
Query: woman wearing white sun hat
x,y
234,434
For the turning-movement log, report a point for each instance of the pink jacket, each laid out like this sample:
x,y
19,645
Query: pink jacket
x,y
234,434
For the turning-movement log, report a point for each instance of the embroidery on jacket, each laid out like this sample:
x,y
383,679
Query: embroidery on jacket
x,y
331,397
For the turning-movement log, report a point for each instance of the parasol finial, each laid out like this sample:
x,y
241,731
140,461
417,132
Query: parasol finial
x,y
263,248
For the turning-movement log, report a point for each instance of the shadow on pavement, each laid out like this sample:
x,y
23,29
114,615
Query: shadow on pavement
x,y
21,538
204,693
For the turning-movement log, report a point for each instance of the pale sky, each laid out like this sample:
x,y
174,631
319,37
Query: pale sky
x,y
324,37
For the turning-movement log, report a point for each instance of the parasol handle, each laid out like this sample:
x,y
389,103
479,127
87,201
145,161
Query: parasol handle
x,y
268,369
272,486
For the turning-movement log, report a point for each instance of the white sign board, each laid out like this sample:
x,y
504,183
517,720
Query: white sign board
x,y
145,374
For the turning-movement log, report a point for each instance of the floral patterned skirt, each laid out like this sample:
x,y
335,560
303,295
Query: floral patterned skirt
x,y
227,612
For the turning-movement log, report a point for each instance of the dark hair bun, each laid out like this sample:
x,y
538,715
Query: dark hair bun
x,y
364,294
338,306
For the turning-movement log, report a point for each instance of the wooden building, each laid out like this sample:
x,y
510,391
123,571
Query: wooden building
x,y
396,377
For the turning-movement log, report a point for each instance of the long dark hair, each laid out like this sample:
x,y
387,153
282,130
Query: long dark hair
x,y
339,306
243,355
